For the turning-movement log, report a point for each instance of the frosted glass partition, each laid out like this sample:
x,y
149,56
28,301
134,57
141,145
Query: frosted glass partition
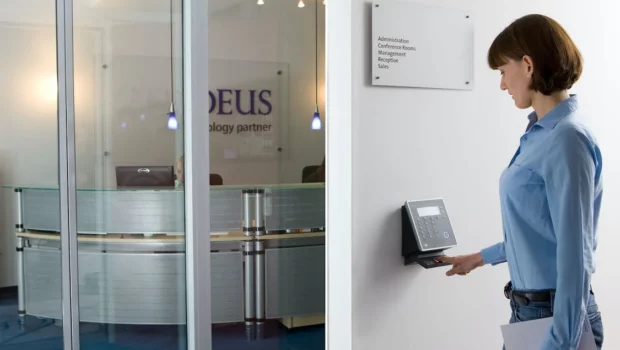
x,y
249,115
148,211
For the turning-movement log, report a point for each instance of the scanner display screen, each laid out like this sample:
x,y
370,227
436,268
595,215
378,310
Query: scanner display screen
x,y
428,211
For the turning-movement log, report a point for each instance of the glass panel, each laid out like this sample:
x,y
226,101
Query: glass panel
x,y
30,276
130,211
268,191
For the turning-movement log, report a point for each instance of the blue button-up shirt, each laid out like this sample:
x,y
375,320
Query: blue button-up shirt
x,y
550,196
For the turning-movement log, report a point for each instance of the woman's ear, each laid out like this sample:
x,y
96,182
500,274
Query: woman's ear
x,y
529,65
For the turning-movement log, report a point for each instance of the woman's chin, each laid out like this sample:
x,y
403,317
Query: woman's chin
x,y
521,105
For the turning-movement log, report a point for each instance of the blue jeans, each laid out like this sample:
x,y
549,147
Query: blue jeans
x,y
537,310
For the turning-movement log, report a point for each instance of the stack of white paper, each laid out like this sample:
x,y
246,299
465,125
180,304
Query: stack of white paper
x,y
530,335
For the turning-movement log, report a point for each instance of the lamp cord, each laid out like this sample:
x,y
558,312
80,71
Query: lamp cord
x,y
316,51
171,57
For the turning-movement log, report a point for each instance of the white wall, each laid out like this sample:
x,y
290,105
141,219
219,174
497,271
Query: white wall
x,y
29,124
418,143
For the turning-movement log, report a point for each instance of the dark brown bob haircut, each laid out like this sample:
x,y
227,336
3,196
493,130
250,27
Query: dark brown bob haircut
x,y
557,61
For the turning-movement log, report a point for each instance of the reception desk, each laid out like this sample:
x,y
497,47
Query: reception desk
x,y
267,254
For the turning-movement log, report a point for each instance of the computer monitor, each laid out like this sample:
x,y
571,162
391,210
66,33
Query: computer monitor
x,y
144,176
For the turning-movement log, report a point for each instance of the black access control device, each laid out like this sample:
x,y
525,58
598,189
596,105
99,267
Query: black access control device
x,y
426,232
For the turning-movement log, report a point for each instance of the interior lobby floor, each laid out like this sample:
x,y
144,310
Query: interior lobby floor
x,y
45,334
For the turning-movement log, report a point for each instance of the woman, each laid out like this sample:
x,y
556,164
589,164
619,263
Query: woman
x,y
550,193
179,172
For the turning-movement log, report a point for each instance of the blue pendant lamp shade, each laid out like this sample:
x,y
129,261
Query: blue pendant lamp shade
x,y
316,118
173,124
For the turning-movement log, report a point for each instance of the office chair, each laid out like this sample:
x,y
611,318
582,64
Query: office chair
x,y
307,171
215,180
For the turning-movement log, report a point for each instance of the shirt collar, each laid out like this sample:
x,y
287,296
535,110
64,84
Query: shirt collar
x,y
554,116
532,120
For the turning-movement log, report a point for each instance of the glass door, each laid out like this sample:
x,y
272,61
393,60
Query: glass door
x,y
32,278
104,178
129,174
267,148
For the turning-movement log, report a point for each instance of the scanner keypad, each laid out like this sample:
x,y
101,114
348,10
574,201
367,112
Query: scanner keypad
x,y
434,230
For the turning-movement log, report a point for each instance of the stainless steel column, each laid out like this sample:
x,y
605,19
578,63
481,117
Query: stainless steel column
x,y
260,289
248,214
249,290
20,210
259,212
21,285
254,251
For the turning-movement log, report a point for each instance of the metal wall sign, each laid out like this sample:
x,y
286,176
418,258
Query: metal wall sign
x,y
422,46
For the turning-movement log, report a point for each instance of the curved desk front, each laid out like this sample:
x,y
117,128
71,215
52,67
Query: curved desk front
x,y
139,277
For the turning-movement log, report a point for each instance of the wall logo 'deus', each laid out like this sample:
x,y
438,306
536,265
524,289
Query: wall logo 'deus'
x,y
243,102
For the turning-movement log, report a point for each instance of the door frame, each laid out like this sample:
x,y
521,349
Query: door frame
x,y
340,76
197,187
67,174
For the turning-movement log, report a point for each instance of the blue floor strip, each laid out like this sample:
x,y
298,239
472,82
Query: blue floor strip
x,y
45,334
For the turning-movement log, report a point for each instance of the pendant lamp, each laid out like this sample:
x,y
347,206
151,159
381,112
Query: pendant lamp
x,y
316,118
173,124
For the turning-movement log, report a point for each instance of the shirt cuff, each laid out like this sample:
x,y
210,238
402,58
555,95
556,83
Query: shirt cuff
x,y
493,255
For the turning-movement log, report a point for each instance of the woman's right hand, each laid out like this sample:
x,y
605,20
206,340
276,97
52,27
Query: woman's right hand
x,y
462,264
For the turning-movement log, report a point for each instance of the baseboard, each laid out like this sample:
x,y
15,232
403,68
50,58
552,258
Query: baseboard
x,y
303,321
8,292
